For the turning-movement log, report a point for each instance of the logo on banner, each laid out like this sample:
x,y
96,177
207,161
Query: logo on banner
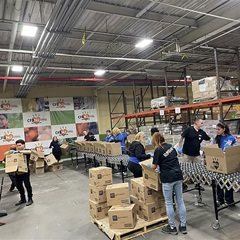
x,y
39,147
60,103
5,105
63,131
85,116
8,136
36,119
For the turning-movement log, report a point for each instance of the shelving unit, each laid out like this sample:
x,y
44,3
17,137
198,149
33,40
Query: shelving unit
x,y
171,110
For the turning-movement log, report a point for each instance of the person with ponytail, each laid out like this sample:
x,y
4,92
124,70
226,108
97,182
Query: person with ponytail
x,y
224,140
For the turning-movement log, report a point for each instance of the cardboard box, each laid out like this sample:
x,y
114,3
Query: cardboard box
x,y
118,194
222,162
16,163
98,210
150,211
35,155
89,146
65,149
122,216
100,176
144,193
39,170
100,147
98,194
113,149
39,163
56,166
151,178
50,159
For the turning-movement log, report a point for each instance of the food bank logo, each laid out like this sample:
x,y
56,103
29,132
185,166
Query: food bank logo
x,y
5,105
39,147
59,104
8,136
85,116
63,131
36,119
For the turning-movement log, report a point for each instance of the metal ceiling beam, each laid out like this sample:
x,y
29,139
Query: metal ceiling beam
x,y
121,11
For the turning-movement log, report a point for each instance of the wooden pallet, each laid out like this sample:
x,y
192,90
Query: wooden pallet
x,y
141,228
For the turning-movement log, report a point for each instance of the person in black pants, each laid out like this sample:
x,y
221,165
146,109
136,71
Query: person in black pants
x,y
137,154
24,177
56,150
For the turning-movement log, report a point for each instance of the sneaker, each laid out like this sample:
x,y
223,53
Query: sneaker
x,y
20,202
230,204
183,229
184,187
30,202
167,229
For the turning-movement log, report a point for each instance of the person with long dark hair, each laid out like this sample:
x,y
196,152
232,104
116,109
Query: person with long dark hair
x,y
224,140
165,156
56,150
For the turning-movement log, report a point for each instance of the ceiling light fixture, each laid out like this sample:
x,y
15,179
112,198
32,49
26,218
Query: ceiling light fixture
x,y
99,72
29,31
17,68
144,43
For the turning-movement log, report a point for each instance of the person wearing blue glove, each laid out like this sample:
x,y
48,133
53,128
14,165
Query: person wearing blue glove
x,y
165,156
137,154
224,140
179,150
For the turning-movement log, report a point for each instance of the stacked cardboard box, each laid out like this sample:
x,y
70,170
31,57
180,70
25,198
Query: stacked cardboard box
x,y
52,164
150,203
99,178
207,88
37,158
122,214
65,149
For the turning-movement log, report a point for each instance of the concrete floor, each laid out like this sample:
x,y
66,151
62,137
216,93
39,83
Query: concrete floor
x,y
61,211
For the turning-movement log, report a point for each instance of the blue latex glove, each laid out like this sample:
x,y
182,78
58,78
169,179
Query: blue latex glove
x,y
151,154
13,151
179,150
149,165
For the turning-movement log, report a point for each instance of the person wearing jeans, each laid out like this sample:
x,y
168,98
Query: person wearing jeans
x,y
165,156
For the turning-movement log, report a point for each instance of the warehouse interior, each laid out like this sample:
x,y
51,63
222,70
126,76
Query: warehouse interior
x,y
90,48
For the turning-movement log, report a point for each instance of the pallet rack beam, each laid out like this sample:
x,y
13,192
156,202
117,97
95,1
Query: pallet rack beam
x,y
194,106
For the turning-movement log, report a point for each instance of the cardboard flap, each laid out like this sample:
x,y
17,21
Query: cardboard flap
x,y
232,151
144,164
213,150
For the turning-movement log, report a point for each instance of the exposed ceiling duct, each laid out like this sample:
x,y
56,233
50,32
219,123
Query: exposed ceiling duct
x,y
62,20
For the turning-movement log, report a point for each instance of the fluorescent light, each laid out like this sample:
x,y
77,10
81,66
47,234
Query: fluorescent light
x,y
17,68
99,72
188,76
144,43
29,31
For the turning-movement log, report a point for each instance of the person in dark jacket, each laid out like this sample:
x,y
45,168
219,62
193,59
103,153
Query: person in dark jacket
x,y
137,154
56,150
89,137
165,157
24,178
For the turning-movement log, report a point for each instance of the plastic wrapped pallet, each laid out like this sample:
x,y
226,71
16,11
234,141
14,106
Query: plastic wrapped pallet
x,y
207,89
157,103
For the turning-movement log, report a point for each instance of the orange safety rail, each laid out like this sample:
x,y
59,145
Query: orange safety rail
x,y
194,106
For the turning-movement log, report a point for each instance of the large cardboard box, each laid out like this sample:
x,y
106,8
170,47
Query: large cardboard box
x,y
65,149
16,163
118,194
35,155
113,149
56,166
100,147
39,163
89,146
222,162
100,176
98,194
144,193
150,211
78,145
50,159
98,210
39,170
122,216
151,178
